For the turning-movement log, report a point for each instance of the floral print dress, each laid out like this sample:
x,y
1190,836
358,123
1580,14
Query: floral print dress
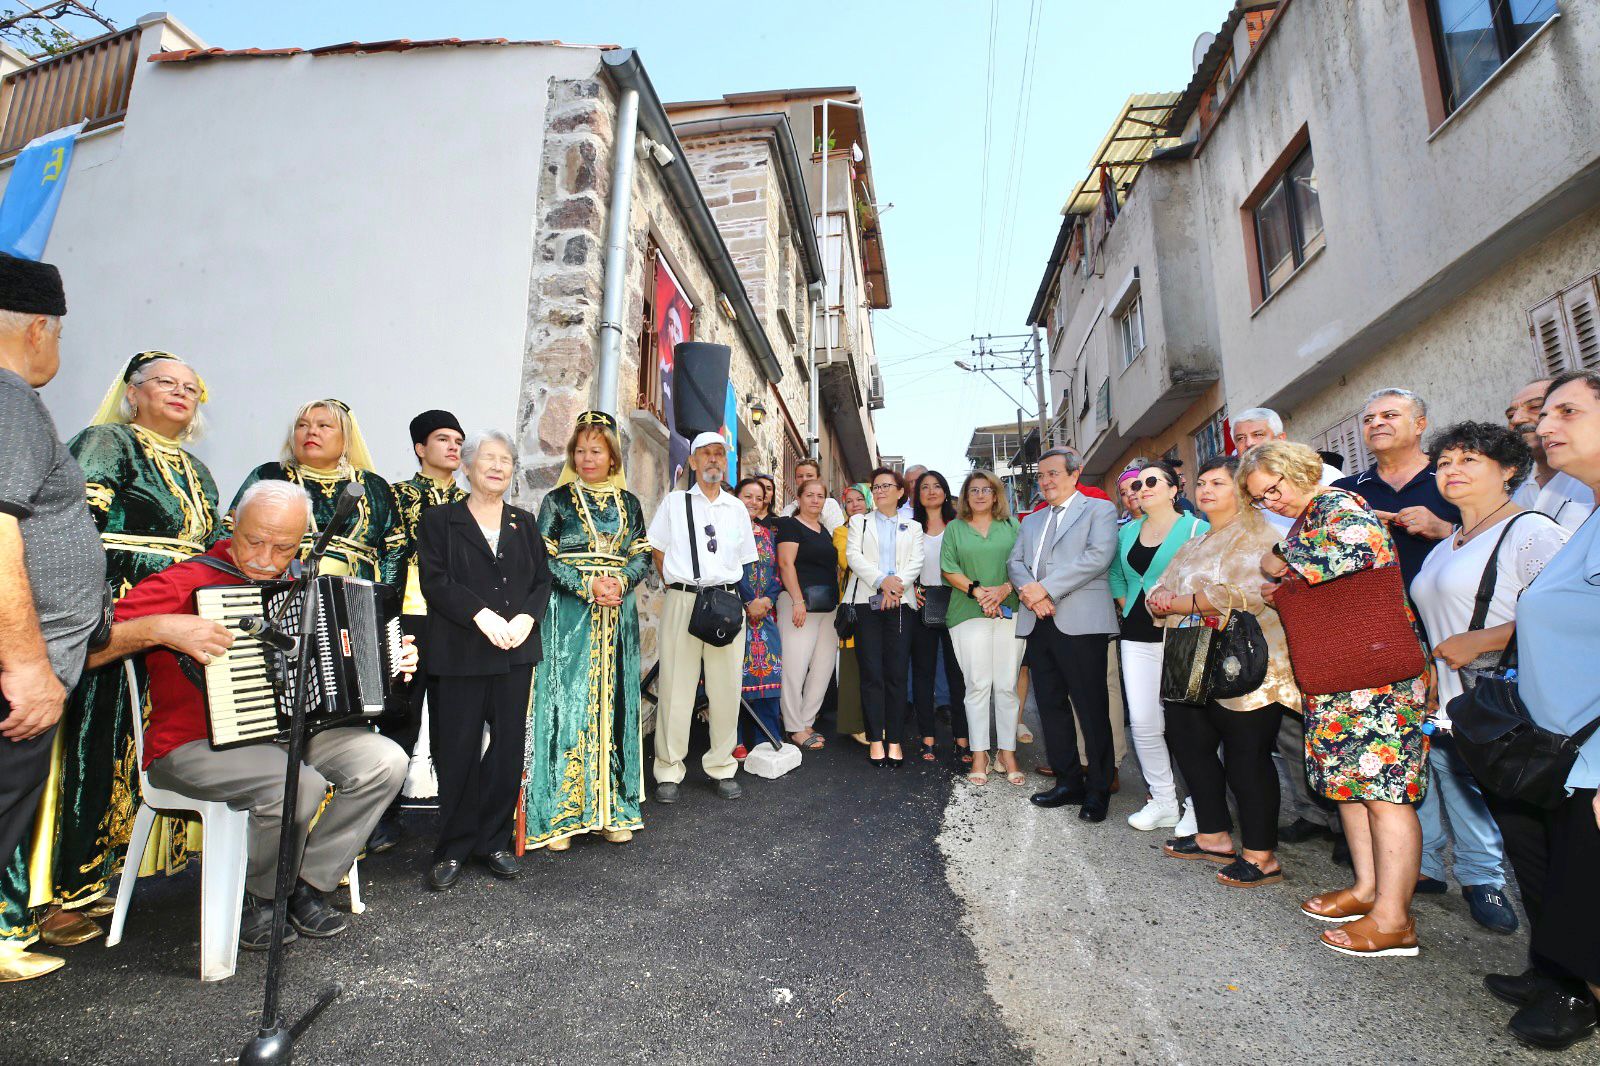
x,y
763,667
1367,744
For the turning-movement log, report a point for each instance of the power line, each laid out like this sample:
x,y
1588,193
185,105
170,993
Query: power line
x,y
999,277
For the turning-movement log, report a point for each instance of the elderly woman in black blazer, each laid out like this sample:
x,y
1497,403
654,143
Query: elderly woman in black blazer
x,y
486,579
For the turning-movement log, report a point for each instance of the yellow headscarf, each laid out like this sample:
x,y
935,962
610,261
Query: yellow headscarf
x,y
606,425
356,454
109,413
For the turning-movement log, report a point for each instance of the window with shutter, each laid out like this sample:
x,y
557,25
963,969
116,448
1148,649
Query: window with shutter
x,y
1549,337
1582,304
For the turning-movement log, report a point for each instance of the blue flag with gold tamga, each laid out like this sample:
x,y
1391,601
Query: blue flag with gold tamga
x,y
34,192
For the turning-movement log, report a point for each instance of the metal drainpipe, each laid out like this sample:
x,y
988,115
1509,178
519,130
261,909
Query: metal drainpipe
x,y
616,270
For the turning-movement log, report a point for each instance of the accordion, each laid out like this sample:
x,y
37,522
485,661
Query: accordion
x,y
354,659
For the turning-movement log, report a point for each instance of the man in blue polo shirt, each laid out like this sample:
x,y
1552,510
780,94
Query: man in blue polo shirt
x,y
1400,486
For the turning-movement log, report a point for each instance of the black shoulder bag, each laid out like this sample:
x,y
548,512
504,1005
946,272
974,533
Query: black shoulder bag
x,y
844,619
718,615
1495,735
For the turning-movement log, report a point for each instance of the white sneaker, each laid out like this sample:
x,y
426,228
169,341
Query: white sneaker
x,y
1154,815
1187,827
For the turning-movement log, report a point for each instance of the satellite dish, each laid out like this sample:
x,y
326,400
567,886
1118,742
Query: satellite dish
x,y
1202,45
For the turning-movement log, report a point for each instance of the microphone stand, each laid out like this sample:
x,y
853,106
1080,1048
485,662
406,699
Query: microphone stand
x,y
273,1044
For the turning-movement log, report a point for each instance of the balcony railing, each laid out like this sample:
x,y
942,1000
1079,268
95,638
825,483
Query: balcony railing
x,y
89,83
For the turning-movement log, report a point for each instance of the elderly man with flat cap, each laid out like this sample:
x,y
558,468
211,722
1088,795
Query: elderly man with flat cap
x,y
52,567
436,438
708,552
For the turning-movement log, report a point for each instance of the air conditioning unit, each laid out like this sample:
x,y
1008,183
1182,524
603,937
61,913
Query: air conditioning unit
x,y
875,390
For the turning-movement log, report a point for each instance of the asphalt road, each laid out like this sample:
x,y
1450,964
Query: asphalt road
x,y
809,921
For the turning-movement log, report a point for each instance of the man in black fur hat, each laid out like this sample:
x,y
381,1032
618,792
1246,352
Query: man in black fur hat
x,y
436,437
52,567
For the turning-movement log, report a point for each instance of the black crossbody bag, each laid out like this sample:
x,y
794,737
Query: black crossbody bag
x,y
718,615
1495,735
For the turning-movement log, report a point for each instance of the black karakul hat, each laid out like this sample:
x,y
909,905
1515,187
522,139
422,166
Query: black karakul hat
x,y
30,288
430,422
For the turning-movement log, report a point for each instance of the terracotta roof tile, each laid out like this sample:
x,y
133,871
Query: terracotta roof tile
x,y
400,44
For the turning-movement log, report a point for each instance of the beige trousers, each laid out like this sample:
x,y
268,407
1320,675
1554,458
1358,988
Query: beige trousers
x,y
682,659
808,656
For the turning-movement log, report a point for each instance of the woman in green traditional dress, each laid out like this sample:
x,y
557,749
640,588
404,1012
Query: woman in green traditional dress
x,y
323,453
155,504
584,771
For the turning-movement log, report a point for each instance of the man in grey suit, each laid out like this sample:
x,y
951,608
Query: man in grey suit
x,y
1058,568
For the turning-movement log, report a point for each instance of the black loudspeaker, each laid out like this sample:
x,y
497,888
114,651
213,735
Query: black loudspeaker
x,y
699,387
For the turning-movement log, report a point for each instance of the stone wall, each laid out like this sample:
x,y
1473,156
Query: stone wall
x,y
564,308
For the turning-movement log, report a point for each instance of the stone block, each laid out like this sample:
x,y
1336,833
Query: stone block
x,y
581,167
577,249
575,212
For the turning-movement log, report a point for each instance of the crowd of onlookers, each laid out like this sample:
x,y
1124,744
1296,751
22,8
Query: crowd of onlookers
x,y
1468,541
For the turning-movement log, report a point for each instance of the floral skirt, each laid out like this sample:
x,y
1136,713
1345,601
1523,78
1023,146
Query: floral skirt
x,y
1369,744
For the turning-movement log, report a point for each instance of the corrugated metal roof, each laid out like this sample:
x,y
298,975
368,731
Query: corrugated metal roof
x,y
1138,131
399,44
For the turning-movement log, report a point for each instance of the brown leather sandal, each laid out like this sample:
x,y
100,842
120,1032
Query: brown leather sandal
x,y
1341,906
1365,940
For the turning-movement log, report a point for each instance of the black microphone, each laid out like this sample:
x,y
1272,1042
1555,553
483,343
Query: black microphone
x,y
255,626
341,513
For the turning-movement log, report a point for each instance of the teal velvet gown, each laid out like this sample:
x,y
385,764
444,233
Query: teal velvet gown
x,y
584,768
372,545
155,504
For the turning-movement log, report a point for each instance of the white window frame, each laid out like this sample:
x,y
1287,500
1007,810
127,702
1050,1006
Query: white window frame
x,y
1130,329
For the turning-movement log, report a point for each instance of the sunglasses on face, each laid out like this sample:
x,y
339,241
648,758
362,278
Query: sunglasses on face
x,y
1151,482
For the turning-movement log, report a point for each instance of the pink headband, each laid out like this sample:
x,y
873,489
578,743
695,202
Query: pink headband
x,y
1126,474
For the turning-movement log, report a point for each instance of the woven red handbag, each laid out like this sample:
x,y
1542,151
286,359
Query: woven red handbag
x,y
1349,633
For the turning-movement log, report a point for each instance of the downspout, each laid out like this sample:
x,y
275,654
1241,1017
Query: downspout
x,y
614,285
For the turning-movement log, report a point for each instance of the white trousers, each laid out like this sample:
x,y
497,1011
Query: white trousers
x,y
990,655
683,658
808,655
1147,719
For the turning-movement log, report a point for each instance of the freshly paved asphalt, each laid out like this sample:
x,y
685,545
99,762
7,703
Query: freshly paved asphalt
x,y
809,921
838,915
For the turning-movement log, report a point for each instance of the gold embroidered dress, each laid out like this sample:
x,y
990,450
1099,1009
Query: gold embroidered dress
x,y
372,544
584,768
155,504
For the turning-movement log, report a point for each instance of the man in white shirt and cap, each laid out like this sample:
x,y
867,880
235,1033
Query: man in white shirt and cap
x,y
709,552
1561,496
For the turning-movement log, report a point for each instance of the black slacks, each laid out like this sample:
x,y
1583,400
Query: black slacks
x,y
1248,739
477,793
883,652
926,643
24,766
1069,678
1529,834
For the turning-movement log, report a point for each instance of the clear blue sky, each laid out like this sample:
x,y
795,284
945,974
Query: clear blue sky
x,y
922,68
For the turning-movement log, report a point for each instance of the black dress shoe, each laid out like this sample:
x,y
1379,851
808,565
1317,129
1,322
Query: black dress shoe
x,y
441,875
1519,989
386,834
667,792
310,914
1555,1021
1431,886
1095,806
729,789
1301,830
1341,851
502,864
1060,796
255,925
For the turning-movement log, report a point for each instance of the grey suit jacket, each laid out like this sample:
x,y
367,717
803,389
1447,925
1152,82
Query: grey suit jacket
x,y
1085,543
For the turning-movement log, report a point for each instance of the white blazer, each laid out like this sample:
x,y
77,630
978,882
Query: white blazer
x,y
861,554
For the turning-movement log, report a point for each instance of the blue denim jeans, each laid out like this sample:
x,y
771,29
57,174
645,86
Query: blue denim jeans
x,y
1454,795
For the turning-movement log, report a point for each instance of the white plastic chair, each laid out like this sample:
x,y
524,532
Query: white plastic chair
x,y
222,862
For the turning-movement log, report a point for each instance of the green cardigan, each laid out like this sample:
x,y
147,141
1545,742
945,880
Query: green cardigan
x,y
1125,580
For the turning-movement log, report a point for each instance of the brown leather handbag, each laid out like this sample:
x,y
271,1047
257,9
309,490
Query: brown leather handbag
x,y
1349,633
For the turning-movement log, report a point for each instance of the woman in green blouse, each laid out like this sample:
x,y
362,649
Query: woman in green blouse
x,y
982,619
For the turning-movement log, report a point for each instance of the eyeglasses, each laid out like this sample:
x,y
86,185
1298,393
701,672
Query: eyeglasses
x,y
1152,481
981,490
1273,492
166,384
885,487
711,537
